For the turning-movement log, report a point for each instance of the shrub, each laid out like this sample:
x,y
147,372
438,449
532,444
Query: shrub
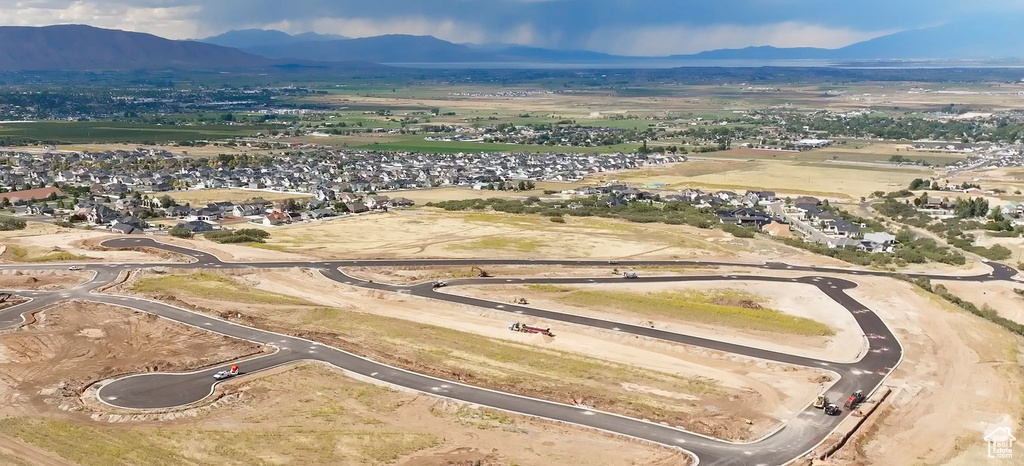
x,y
738,231
557,219
179,232
9,224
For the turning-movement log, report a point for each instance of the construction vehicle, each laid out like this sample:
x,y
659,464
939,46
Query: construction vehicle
x,y
820,402
854,400
480,272
227,374
4,297
520,301
831,409
628,274
519,327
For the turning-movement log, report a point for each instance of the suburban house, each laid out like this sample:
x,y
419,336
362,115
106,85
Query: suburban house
x,y
247,210
275,218
125,229
744,217
195,226
41,209
757,197
780,230
877,242
402,202
377,202
101,215
1013,209
356,207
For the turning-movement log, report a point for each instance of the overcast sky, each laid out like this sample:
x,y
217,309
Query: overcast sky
x,y
629,27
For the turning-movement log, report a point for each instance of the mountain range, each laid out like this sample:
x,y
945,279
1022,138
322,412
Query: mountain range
x,y
77,47
971,39
245,38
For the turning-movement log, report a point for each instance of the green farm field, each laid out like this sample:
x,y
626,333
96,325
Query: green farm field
x,y
111,132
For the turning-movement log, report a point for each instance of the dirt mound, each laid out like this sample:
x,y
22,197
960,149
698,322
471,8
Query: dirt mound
x,y
737,302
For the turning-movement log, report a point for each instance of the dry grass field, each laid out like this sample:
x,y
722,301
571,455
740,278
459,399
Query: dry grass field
x,y
206,196
431,233
786,178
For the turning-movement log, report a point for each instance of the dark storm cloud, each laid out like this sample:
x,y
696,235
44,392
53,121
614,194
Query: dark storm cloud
x,y
623,26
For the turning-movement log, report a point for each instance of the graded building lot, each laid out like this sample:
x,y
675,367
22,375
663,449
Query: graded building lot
x,y
411,275
999,296
430,233
46,242
960,379
326,417
784,177
812,324
313,414
736,398
41,279
45,364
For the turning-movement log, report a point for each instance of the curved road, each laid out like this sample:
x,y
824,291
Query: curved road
x,y
790,441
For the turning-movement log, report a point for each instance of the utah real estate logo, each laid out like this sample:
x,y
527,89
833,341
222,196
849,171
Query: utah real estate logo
x,y
1000,443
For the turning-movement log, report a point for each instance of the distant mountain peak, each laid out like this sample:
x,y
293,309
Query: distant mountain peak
x,y
245,38
81,47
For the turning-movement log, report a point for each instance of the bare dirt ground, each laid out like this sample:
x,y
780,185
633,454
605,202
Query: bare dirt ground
x,y
773,392
411,275
313,414
960,378
42,279
235,252
785,177
427,233
997,295
799,300
47,363
41,239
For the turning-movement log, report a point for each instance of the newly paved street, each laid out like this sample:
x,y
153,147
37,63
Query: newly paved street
x,y
156,390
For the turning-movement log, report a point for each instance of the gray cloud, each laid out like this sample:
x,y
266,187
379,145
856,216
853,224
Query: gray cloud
x,y
620,26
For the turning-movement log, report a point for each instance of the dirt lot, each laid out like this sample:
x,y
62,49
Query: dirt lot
x,y
798,300
42,279
312,414
643,378
73,344
960,378
45,242
427,233
997,295
786,178
409,275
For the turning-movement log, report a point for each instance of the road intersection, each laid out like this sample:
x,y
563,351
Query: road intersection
x,y
791,440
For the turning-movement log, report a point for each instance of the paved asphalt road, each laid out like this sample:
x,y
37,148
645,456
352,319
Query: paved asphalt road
x,y
158,390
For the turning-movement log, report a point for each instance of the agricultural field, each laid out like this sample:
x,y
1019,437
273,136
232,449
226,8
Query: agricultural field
x,y
114,132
